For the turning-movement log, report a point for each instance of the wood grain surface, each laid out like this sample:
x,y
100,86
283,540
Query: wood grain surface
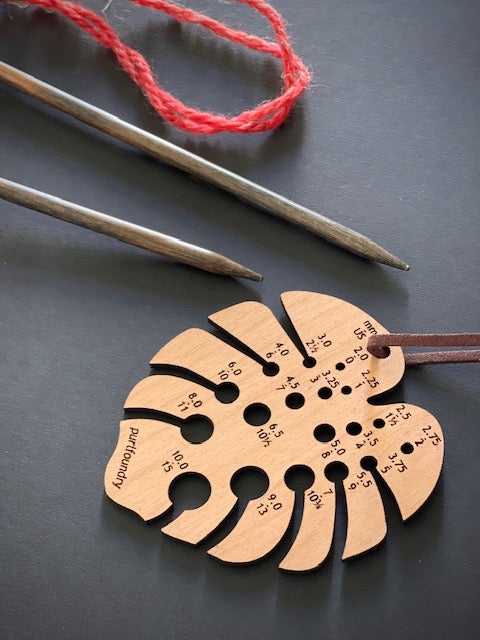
x,y
314,411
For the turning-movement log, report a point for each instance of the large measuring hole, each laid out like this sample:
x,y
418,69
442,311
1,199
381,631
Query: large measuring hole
x,y
324,433
249,483
369,463
336,471
257,414
227,392
197,429
189,491
299,478
294,401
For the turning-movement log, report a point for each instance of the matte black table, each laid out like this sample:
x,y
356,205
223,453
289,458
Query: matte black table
x,y
385,141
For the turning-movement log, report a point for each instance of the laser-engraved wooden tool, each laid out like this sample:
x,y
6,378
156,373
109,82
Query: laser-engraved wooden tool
x,y
313,411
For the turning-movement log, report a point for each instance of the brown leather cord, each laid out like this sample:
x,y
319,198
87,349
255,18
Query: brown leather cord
x,y
378,346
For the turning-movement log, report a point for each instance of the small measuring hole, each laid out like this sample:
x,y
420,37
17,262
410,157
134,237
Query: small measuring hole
x,y
407,448
378,423
336,471
339,366
324,393
354,428
294,400
324,433
271,369
346,390
257,414
309,362
227,392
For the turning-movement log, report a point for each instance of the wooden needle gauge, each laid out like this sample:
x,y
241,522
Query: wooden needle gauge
x,y
287,410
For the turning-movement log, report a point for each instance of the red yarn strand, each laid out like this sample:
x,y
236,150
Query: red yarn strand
x,y
266,116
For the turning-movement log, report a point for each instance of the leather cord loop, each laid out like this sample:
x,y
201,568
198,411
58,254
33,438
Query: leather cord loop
x,y
378,345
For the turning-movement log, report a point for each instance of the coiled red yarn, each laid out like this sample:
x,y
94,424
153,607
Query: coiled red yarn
x,y
265,116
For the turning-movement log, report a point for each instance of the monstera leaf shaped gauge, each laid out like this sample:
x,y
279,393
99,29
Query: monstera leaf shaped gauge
x,y
311,411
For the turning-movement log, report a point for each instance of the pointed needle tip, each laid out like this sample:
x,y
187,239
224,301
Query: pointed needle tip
x,y
401,265
393,261
252,275
228,267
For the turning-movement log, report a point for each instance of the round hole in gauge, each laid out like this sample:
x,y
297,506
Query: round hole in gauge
x,y
407,448
325,393
270,369
227,392
257,414
324,432
295,400
197,429
336,471
299,478
369,463
354,428
249,483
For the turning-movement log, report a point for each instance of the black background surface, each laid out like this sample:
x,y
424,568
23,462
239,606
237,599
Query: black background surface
x,y
385,141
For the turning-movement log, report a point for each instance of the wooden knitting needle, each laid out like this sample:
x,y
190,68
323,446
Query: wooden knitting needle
x,y
124,231
171,154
